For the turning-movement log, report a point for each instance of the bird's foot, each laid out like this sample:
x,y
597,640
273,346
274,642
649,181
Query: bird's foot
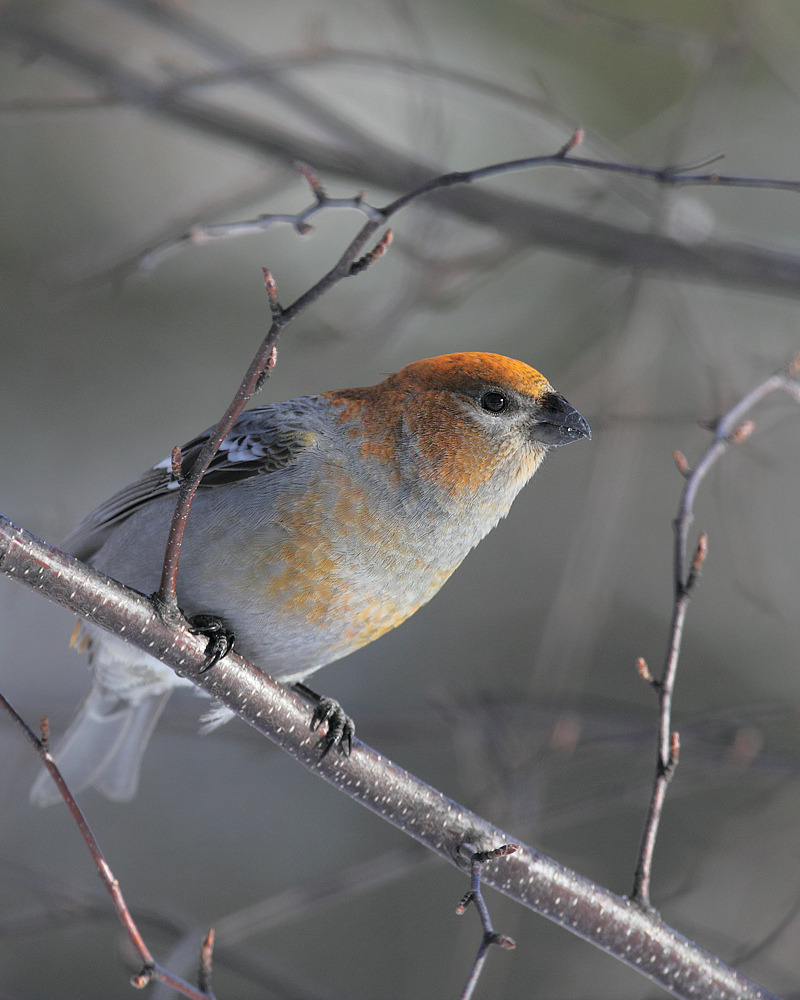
x,y
340,728
220,638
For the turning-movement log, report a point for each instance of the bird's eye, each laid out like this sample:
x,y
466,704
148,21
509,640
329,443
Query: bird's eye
x,y
495,402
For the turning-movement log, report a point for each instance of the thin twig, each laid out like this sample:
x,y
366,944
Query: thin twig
x,y
150,968
475,896
547,226
670,176
729,430
348,264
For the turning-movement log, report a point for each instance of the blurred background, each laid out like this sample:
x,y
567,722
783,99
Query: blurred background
x,y
126,122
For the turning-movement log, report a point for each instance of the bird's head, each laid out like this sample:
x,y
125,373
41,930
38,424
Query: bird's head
x,y
467,420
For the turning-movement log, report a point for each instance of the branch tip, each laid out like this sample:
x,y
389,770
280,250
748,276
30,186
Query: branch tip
x,y
573,142
312,180
269,282
680,461
206,957
176,460
44,729
272,293
644,671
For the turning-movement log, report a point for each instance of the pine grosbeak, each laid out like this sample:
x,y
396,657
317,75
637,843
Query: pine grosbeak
x,y
321,523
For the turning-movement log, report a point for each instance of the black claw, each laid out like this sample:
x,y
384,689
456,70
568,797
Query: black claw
x,y
220,638
340,728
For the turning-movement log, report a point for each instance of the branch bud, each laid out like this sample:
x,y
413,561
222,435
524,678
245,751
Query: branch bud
x,y
700,553
572,143
644,671
272,293
466,899
374,254
176,461
312,180
742,432
674,749
143,978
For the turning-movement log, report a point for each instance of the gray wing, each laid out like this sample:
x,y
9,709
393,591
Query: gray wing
x,y
262,441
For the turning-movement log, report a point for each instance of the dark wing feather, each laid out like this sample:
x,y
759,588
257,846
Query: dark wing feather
x,y
261,442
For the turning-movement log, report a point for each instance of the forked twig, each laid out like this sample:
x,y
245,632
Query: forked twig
x,y
353,261
474,895
150,970
730,429
678,175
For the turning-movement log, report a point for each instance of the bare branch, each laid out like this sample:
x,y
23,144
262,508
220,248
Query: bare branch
x,y
676,176
475,896
728,430
150,968
547,226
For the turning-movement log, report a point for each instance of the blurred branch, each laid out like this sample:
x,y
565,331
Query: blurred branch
x,y
728,430
151,970
677,176
319,894
353,155
612,923
644,30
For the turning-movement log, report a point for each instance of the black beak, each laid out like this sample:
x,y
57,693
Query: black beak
x,y
558,422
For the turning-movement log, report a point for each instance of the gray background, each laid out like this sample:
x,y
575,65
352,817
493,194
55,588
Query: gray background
x,y
104,369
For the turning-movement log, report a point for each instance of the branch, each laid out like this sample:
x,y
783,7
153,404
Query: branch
x,y
716,262
475,896
612,923
151,970
669,176
728,429
350,263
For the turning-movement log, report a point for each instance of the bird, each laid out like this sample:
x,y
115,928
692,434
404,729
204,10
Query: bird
x,y
321,523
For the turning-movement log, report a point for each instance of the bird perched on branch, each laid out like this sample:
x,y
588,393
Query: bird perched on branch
x,y
321,523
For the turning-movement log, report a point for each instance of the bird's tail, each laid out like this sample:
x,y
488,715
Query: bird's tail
x,y
104,746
